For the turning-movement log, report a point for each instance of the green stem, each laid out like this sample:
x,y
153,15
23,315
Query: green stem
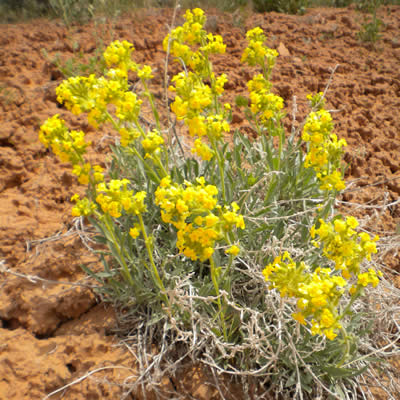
x,y
257,126
354,297
153,270
266,70
148,168
140,129
226,272
216,287
280,146
347,351
153,107
111,119
125,270
160,164
220,168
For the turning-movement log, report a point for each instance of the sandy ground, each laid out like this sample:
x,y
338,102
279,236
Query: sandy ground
x,y
52,334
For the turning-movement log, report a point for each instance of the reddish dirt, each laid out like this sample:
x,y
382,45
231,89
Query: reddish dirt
x,y
52,334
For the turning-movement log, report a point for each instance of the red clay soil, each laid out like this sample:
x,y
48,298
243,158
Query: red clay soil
x,y
52,334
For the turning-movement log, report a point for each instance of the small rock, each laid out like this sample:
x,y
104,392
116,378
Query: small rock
x,y
395,43
330,29
237,118
139,43
347,22
212,24
283,51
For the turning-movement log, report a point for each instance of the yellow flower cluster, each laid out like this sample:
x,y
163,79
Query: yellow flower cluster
x,y
152,142
318,293
316,101
202,150
192,33
343,245
263,103
93,95
83,207
265,106
128,135
194,99
194,212
367,278
69,146
192,95
128,107
82,172
115,197
119,54
145,72
325,150
215,126
75,93
258,54
97,172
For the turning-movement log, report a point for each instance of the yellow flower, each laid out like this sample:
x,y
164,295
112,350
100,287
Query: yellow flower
x,y
152,142
211,220
352,290
370,247
128,135
299,317
315,328
352,222
327,319
83,207
202,150
134,232
98,173
76,109
181,206
197,126
145,72
340,226
346,273
207,253
330,334
233,250
319,301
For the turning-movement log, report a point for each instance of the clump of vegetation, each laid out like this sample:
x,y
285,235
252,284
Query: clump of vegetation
x,y
283,6
233,252
78,64
370,29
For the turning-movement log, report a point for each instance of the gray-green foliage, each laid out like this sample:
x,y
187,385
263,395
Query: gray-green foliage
x,y
280,206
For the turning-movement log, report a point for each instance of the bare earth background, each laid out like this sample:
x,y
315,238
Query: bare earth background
x,y
52,334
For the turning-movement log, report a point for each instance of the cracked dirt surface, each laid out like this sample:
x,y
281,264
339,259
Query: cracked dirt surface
x,y
52,334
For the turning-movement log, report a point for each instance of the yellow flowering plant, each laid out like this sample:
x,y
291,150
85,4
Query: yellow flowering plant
x,y
194,240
